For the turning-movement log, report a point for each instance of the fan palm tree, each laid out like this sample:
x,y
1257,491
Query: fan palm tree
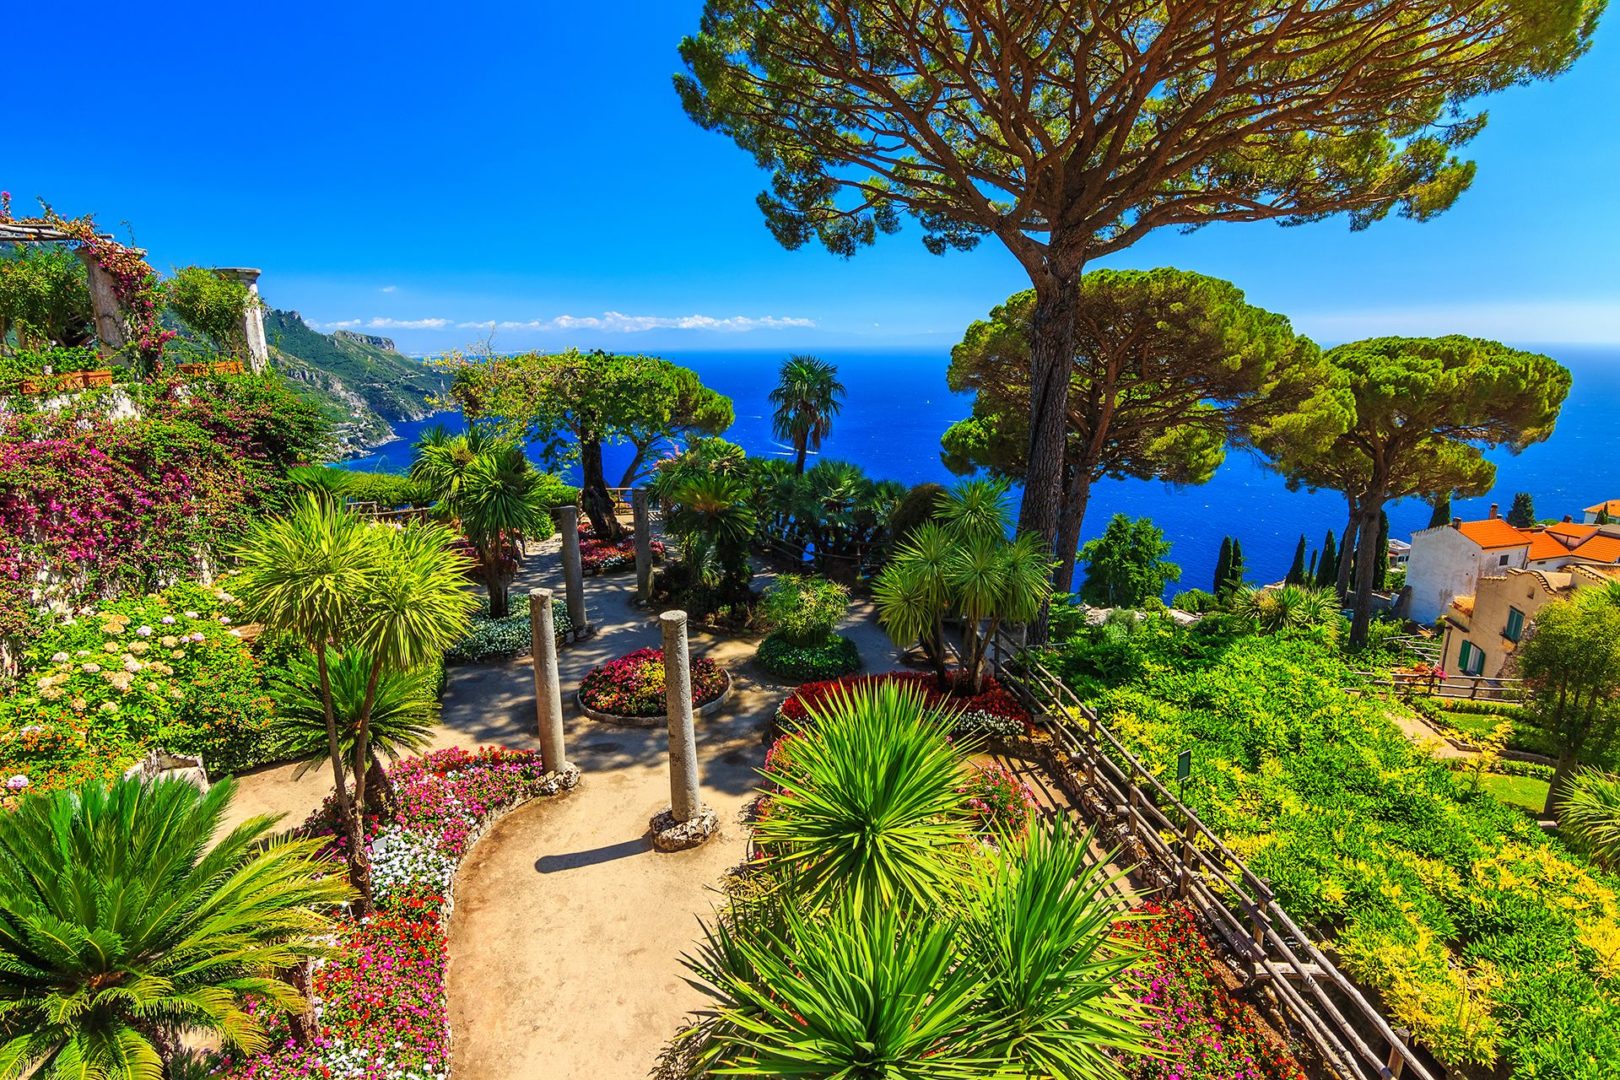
x,y
404,708
807,398
442,458
123,923
1590,815
869,805
319,481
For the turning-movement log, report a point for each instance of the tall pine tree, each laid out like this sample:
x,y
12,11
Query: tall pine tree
x,y
1223,567
1327,567
1296,570
1383,552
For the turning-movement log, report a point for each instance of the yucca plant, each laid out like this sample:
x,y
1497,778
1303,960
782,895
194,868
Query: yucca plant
x,y
870,806
913,596
320,481
1590,815
124,922
1290,607
1039,930
496,499
404,708
853,993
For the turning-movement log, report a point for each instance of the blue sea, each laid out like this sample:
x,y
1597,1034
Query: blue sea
x,y
898,405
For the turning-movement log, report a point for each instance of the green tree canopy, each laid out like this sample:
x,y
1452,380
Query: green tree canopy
x,y
1425,411
1125,566
213,306
1571,661
1167,367
44,298
573,403
1069,132
807,399
1522,514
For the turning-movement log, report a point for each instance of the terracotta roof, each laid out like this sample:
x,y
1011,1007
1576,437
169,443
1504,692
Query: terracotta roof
x,y
1572,530
1494,533
1543,546
1611,505
1600,548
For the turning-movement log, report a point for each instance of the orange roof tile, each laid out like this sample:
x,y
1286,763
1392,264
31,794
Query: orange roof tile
x,y
1572,530
1494,533
1611,505
1600,548
1543,546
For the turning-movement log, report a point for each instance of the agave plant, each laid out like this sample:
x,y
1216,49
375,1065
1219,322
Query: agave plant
x,y
124,922
1590,815
869,806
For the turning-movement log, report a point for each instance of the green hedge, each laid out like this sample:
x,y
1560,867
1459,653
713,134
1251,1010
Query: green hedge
x,y
501,639
1491,941
835,656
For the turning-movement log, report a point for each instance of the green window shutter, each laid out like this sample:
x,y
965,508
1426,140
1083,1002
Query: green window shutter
x,y
1515,625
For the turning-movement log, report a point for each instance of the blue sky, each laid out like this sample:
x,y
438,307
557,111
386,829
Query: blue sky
x,y
413,169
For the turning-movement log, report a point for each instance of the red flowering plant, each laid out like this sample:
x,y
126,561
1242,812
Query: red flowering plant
x,y
992,711
1000,803
633,685
606,556
1199,1030
380,1004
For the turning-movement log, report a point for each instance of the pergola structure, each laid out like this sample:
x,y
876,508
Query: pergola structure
x,y
112,331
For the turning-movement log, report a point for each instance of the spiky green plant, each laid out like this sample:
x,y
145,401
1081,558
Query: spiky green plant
x,y
853,993
913,596
123,922
976,508
497,498
404,708
1039,929
1590,815
711,515
319,481
1291,607
870,806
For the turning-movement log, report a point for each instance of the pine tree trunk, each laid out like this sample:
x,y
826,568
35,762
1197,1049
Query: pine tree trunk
x,y
1057,305
1075,497
1366,568
594,497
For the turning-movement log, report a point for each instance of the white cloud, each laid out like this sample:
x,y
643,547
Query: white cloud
x,y
407,324
607,322
389,288
1551,322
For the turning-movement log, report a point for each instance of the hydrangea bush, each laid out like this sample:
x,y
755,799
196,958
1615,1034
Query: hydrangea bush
x,y
380,1003
633,685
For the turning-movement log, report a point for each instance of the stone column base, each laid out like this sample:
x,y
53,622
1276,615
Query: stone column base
x,y
672,835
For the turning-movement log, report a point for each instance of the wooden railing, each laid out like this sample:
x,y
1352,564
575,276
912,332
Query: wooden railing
x,y
403,515
1471,687
1180,854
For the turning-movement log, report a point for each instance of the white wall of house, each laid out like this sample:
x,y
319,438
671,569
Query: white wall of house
x,y
1445,564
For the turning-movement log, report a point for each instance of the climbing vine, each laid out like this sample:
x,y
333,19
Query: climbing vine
x,y
135,283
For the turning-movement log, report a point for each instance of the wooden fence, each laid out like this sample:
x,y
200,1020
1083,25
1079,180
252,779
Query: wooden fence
x,y
1469,687
1182,855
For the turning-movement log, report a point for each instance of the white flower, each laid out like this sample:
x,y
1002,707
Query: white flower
x,y
168,620
18,782
191,615
60,658
144,631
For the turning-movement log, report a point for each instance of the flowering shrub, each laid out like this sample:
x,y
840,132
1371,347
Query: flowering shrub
x,y
606,556
633,685
501,639
992,711
826,659
1200,1031
999,801
380,1001
165,670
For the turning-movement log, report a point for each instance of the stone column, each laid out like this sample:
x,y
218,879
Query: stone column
x,y
683,780
547,686
643,520
258,348
573,568
112,333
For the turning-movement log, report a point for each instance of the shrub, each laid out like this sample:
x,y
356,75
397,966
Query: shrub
x,y
999,801
633,685
501,639
606,556
387,490
1590,815
993,712
804,610
1197,601
826,659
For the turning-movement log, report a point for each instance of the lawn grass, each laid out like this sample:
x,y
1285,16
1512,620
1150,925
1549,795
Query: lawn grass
x,y
1526,792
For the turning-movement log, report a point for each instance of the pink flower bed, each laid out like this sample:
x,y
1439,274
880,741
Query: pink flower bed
x,y
606,556
633,685
380,1001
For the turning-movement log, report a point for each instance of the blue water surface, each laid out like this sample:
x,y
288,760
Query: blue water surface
x,y
898,405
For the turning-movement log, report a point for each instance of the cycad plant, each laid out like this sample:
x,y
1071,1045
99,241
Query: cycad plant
x,y
1590,815
868,801
807,398
124,922
394,594
404,708
711,515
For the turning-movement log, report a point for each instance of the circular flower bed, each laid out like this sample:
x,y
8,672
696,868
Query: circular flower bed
x,y
606,556
632,687
828,659
991,712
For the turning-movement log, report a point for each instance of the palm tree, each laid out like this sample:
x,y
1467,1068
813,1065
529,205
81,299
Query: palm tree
x,y
403,712
711,515
497,500
913,596
395,594
869,804
807,397
1590,815
123,922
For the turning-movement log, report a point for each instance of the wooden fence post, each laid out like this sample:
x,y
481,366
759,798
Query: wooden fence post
x,y
1091,751
1188,834
1397,1062
1259,920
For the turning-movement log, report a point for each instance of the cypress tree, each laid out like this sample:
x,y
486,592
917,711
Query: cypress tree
x,y
1235,575
1383,551
1441,515
1223,567
1523,513
1327,568
1296,570
1310,571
